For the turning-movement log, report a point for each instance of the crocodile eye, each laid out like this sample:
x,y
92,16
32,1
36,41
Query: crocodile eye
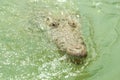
x,y
72,24
54,24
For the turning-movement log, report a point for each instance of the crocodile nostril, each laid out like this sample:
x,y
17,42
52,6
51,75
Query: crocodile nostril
x,y
78,52
78,47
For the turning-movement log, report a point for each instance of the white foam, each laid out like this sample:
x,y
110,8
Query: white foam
x,y
61,1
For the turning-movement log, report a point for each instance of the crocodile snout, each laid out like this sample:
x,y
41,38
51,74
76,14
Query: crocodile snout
x,y
77,51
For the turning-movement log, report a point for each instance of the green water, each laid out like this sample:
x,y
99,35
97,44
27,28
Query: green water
x,y
27,54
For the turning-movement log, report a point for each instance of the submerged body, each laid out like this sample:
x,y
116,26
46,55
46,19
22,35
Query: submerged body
x,y
65,32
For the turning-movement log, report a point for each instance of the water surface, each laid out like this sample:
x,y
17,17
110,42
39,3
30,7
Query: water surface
x,y
26,53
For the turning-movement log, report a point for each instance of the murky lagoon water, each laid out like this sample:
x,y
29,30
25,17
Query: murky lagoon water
x,y
26,53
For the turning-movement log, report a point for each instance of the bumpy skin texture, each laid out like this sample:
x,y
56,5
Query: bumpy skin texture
x,y
65,32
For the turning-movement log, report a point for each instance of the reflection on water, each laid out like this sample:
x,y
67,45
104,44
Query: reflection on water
x,y
26,53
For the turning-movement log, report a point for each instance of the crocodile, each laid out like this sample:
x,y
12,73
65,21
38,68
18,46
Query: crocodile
x,y
65,31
